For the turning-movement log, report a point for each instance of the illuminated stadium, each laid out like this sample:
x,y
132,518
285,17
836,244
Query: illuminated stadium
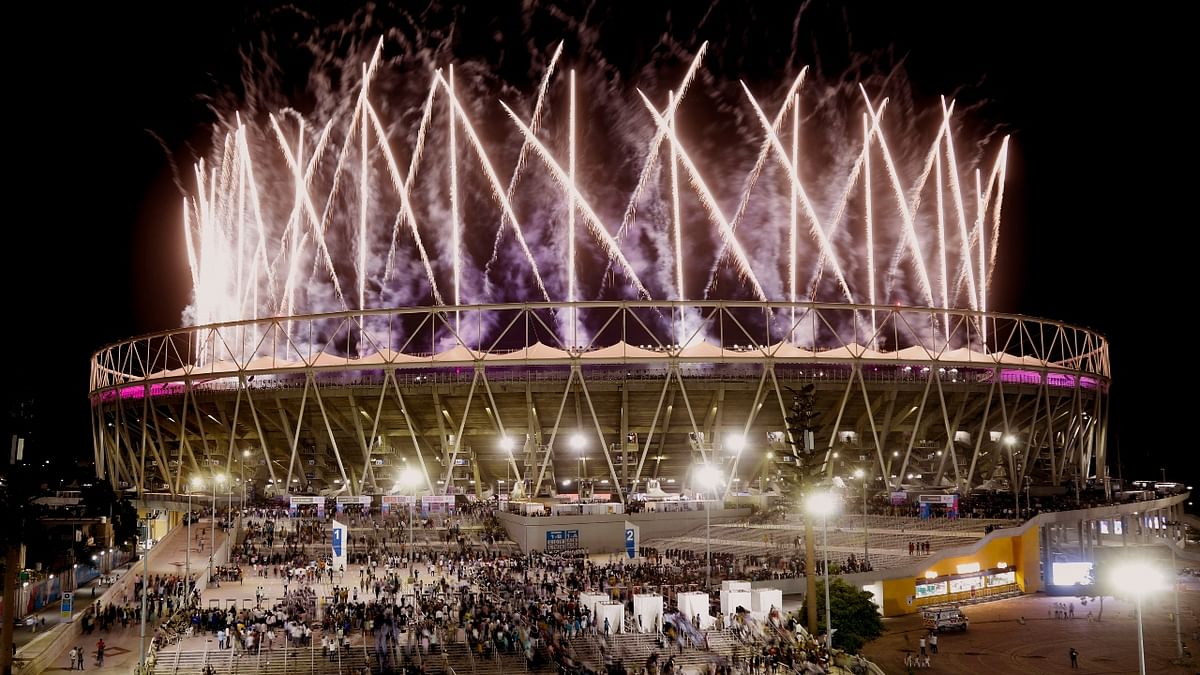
x,y
370,296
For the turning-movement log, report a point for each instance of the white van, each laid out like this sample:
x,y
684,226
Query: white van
x,y
944,617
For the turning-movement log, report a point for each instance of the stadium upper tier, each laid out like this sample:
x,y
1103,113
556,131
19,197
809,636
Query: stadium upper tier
x,y
614,392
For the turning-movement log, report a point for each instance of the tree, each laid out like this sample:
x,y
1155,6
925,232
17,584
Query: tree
x,y
855,617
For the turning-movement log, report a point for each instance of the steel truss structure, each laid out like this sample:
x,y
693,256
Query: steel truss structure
x,y
616,393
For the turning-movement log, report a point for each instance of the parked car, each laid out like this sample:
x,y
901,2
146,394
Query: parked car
x,y
944,617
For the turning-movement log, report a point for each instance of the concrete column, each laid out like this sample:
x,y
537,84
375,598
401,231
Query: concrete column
x,y
1124,530
1082,542
1046,553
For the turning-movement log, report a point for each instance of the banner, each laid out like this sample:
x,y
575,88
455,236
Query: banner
x,y
67,605
298,500
363,500
389,501
558,541
438,503
631,539
340,534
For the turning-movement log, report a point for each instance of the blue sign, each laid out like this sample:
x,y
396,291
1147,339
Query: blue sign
x,y
561,540
630,543
68,601
337,541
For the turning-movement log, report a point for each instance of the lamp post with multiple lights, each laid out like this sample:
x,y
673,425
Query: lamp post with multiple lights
x,y
709,477
212,532
577,443
1140,579
859,473
409,479
822,504
507,444
197,483
1011,442
150,516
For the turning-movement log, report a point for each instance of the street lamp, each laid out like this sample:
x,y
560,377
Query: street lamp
x,y
822,504
197,483
150,515
1139,578
245,454
212,532
1011,442
859,473
507,444
408,479
709,478
577,442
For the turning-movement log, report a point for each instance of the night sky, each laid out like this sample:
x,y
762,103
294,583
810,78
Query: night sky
x,y
1094,233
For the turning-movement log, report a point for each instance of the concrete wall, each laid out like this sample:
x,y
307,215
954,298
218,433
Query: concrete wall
x,y
605,533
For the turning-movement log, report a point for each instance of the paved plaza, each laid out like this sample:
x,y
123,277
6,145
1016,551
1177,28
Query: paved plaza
x,y
998,643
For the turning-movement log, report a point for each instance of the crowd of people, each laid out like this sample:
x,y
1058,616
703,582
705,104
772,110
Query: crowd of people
x,y
454,588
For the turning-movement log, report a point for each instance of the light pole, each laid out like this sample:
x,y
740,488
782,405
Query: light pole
x,y
1011,442
859,473
197,483
1139,578
212,532
245,455
507,444
1175,591
821,503
408,479
150,515
709,478
577,442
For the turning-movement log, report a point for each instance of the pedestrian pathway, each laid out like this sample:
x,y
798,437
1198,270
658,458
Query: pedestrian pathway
x,y
171,556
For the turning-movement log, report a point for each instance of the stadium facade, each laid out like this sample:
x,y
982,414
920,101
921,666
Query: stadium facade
x,y
613,394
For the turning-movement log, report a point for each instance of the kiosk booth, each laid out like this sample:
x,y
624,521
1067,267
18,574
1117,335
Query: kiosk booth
x,y
647,612
614,613
735,594
693,603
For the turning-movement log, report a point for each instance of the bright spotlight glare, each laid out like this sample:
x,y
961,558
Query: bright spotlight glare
x,y
736,442
1138,577
507,444
820,504
708,476
577,441
409,477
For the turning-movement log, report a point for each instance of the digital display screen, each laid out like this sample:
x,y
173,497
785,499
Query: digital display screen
x,y
965,585
1071,573
1002,579
927,590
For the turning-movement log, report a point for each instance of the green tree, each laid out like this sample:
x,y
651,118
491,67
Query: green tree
x,y
855,617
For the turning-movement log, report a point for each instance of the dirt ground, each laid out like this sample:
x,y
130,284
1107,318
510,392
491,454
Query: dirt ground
x,y
996,643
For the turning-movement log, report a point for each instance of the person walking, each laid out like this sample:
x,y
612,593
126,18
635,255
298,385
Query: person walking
x,y
100,653
921,644
73,654
933,643
1074,658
